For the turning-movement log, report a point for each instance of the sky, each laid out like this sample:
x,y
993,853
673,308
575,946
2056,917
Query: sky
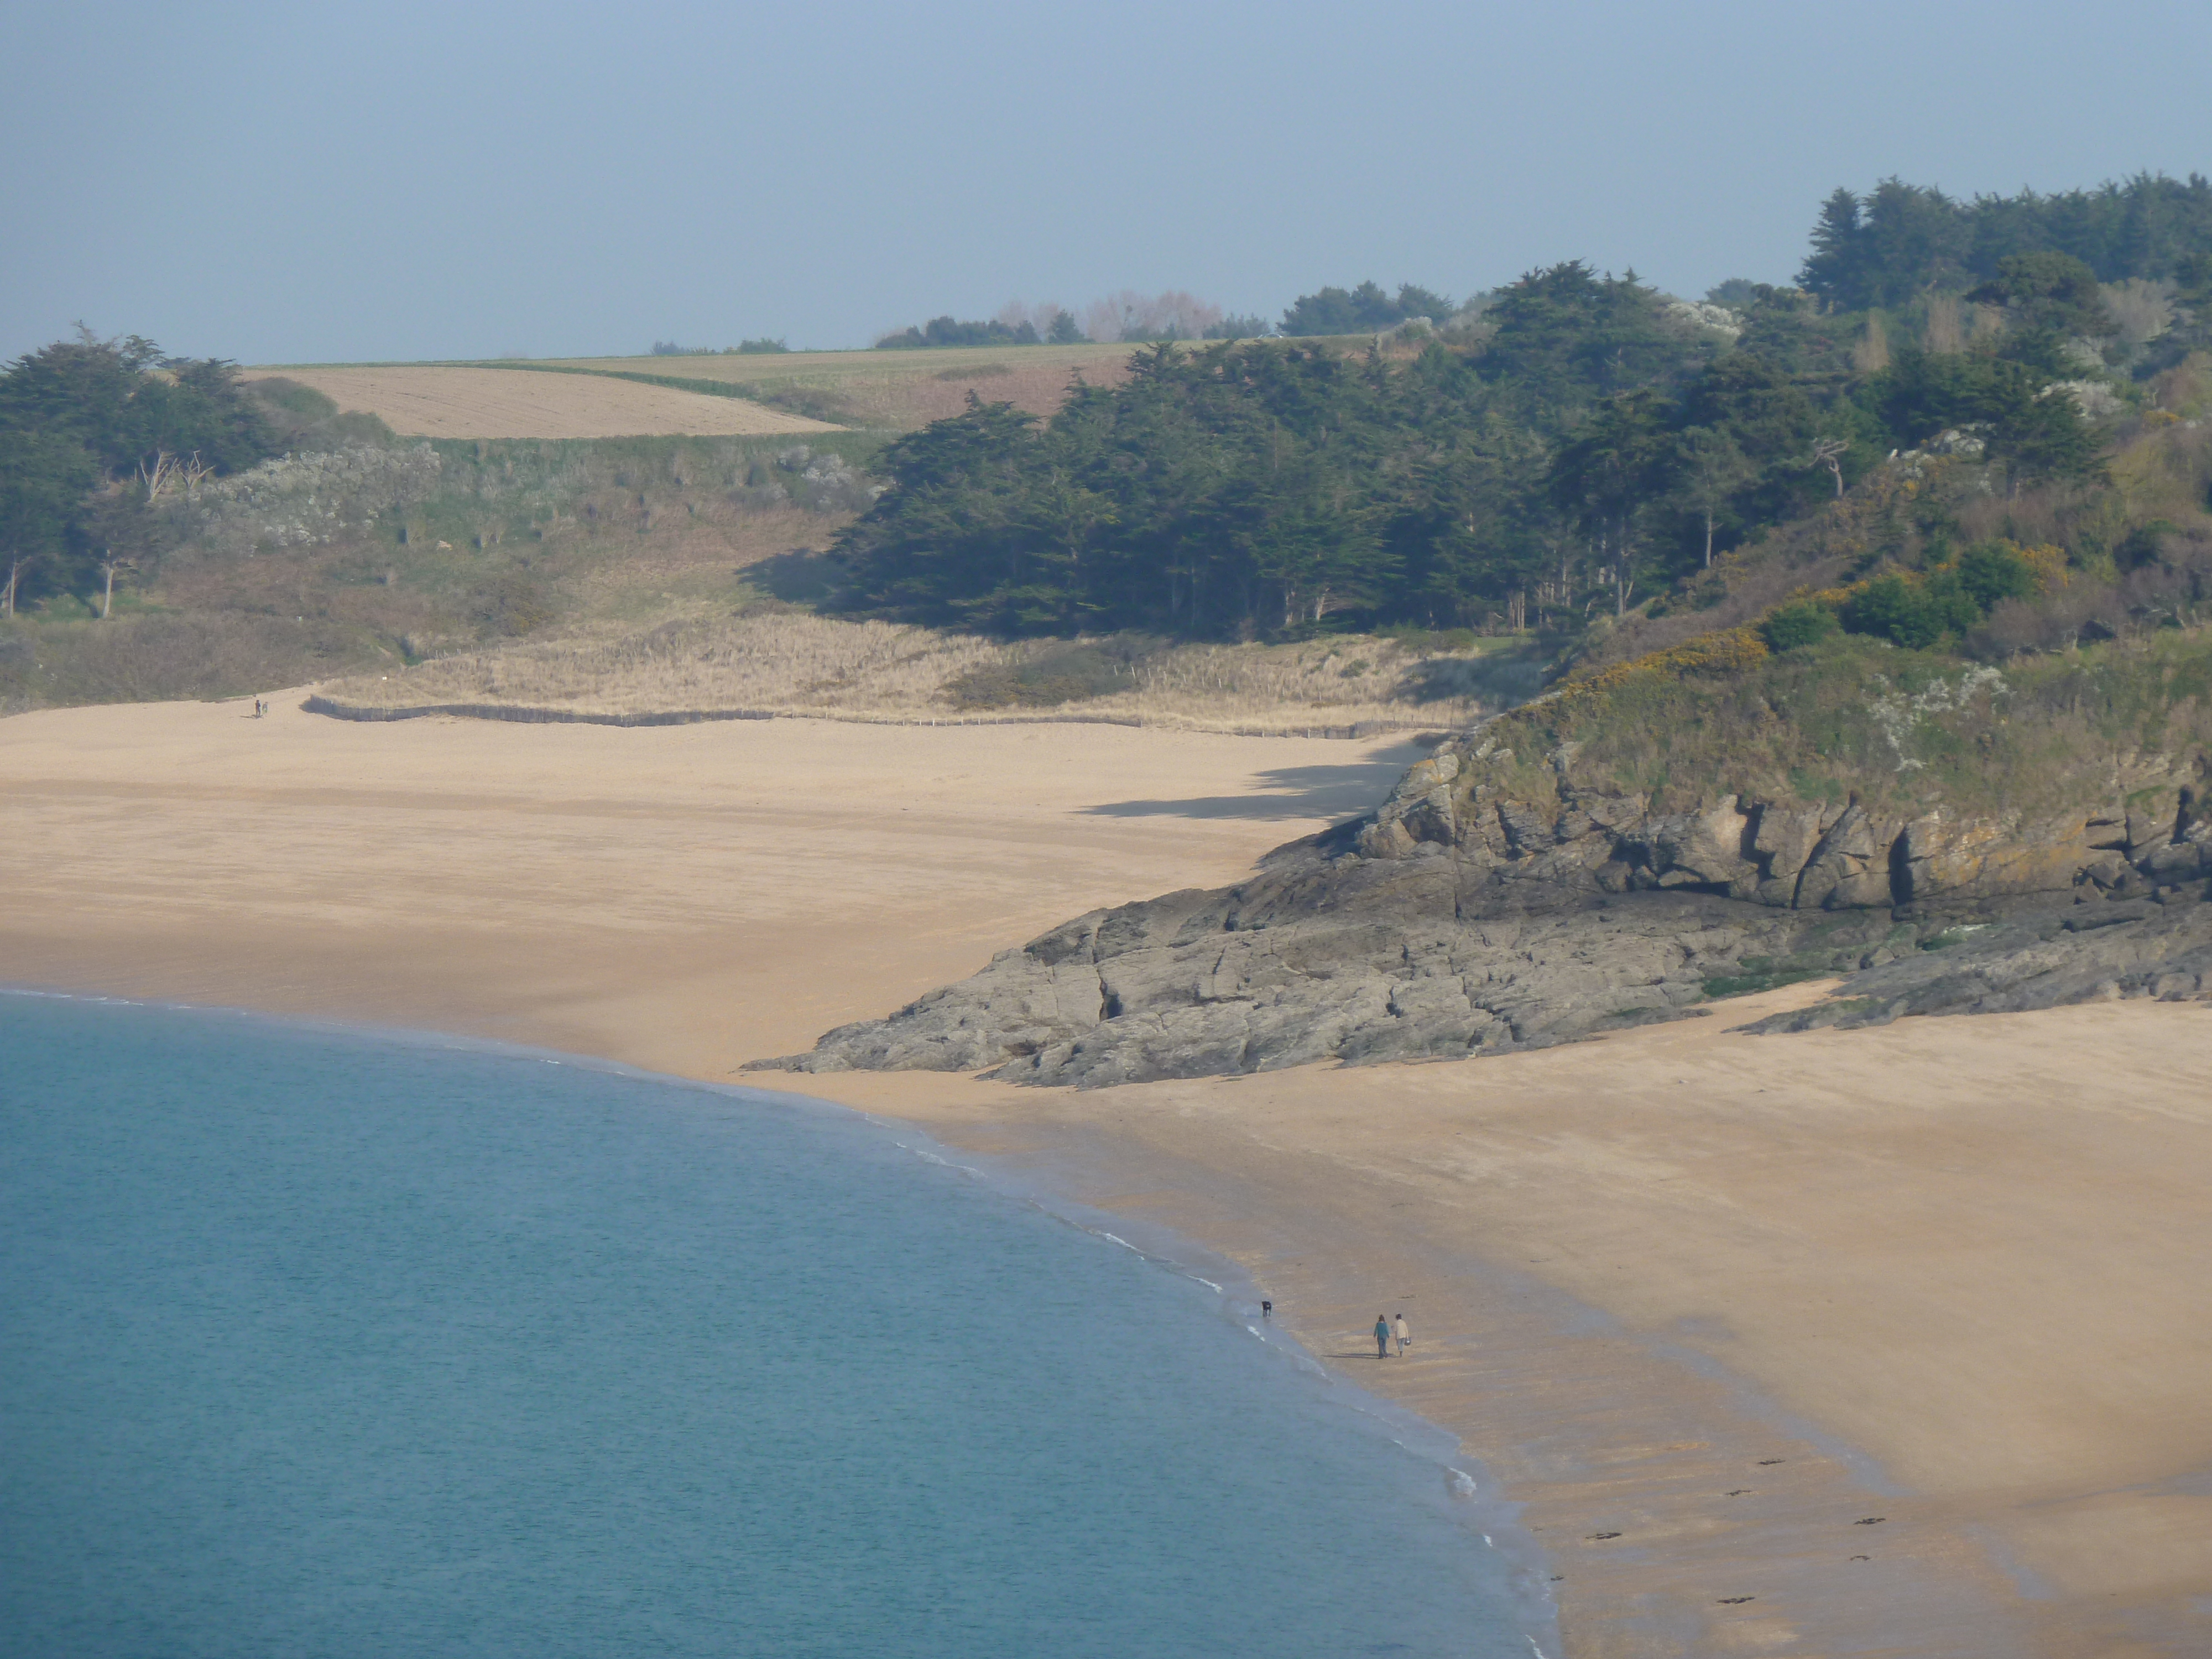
x,y
347,182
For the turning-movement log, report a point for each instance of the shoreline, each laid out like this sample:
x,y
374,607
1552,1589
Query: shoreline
x,y
1638,1266
1491,1515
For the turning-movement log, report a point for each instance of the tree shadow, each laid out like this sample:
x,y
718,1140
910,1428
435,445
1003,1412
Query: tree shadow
x,y
802,576
1293,792
1500,679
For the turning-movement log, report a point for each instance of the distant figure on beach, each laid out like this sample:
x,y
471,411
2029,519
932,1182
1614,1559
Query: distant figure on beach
x,y
1381,1337
1267,1310
1405,1336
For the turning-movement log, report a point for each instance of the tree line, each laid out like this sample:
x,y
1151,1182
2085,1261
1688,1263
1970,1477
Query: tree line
x,y
1060,329
1367,309
1589,444
1900,242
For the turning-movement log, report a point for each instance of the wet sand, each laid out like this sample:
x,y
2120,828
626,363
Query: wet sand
x,y
1950,1274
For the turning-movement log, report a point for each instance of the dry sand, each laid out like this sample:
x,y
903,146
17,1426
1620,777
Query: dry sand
x,y
1949,1273
500,402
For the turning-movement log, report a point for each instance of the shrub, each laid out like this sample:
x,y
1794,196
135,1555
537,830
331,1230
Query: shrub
x,y
1991,571
1801,622
509,604
1913,614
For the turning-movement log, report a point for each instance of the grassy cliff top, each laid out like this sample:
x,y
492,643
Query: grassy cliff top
x,y
1904,732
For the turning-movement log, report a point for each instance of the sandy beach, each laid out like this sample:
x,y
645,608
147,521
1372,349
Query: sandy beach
x,y
1882,1342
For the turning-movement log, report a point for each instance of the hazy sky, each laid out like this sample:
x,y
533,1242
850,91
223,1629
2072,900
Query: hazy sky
x,y
318,182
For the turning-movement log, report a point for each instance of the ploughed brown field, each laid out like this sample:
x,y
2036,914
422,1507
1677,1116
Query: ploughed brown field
x,y
433,401
897,389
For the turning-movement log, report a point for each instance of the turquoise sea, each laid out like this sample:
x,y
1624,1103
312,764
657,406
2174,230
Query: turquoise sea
x,y
321,1343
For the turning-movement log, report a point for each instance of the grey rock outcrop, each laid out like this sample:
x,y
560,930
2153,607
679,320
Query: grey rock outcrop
x,y
1326,956
1789,853
1462,920
2094,952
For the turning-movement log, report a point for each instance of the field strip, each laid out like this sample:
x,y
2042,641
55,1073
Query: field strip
x,y
418,402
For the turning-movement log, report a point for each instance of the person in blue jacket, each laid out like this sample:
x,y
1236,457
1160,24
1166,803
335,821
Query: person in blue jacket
x,y
1381,1337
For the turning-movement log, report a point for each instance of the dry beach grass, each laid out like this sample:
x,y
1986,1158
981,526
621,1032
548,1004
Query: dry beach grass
x,y
792,663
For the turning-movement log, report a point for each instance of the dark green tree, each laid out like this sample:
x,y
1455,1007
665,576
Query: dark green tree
x,y
1565,339
1609,479
2055,292
1884,249
1710,467
2037,431
79,420
1366,309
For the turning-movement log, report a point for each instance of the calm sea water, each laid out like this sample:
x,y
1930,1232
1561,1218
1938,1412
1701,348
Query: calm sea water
x,y
314,1343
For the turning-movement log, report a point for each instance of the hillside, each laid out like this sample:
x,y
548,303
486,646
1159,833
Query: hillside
x,y
1961,777
386,553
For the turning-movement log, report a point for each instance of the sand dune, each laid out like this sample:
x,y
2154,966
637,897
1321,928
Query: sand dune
x,y
1901,1333
496,402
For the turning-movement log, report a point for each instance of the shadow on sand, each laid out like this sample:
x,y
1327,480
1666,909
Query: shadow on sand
x,y
1293,792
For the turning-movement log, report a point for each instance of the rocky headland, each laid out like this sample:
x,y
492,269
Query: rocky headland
x,y
1941,840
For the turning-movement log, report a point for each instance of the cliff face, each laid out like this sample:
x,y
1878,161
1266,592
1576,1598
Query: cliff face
x,y
1793,854
1945,844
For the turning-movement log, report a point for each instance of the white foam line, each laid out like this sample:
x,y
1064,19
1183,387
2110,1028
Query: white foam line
x,y
1111,1239
1209,1284
945,1162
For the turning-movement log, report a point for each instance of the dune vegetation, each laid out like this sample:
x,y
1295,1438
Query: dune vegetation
x,y
789,662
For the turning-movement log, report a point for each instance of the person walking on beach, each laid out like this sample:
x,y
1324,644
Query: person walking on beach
x,y
1405,1336
1381,1337
1266,1310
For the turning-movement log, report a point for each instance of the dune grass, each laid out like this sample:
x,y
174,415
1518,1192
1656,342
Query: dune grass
x,y
794,663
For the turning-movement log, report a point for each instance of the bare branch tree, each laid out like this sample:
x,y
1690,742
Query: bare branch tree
x,y
158,476
1829,452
